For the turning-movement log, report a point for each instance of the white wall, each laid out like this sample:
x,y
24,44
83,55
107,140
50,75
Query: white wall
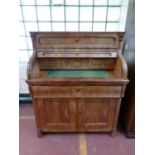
x,y
24,55
23,87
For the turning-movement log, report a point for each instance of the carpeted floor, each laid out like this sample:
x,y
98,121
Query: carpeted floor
x,y
70,143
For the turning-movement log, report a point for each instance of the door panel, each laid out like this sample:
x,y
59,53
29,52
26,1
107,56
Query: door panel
x,y
57,114
96,114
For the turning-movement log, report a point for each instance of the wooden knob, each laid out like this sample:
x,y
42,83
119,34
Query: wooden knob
x,y
77,90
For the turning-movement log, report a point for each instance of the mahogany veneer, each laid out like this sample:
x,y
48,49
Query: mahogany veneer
x,y
76,104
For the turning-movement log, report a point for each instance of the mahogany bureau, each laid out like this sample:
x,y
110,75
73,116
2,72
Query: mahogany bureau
x,y
76,80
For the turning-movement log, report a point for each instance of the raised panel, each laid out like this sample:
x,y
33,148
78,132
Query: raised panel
x,y
80,40
56,114
97,114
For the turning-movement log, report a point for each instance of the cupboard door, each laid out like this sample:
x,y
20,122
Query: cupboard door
x,y
57,115
96,114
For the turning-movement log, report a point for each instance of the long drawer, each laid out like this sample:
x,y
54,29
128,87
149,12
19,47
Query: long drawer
x,y
76,91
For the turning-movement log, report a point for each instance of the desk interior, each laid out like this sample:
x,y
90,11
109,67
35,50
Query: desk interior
x,y
76,73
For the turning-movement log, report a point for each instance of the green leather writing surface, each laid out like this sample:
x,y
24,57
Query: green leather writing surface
x,y
77,73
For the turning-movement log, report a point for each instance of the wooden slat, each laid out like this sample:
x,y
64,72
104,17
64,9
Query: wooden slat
x,y
76,63
77,55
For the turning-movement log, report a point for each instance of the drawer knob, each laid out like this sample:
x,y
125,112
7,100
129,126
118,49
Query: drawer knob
x,y
78,90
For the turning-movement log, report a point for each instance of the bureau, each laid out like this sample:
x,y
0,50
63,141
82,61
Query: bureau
x,y
76,80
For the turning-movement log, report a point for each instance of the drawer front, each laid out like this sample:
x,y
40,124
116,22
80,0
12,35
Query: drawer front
x,y
51,91
97,91
76,91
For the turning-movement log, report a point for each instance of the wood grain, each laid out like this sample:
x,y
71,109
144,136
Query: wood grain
x,y
76,104
76,63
